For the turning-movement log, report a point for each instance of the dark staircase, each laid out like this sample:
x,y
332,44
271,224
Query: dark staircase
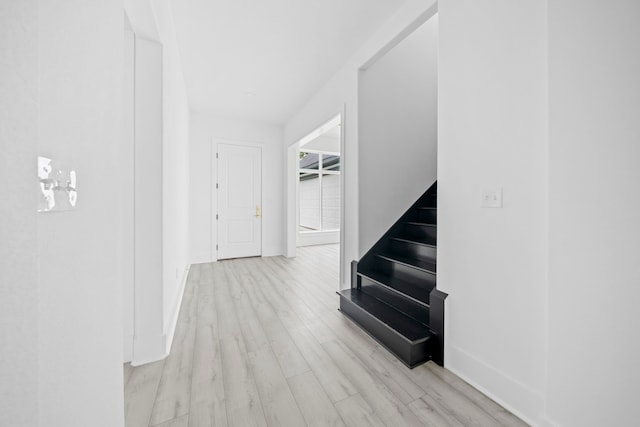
x,y
393,294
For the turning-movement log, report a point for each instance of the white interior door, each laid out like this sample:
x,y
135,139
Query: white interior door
x,y
239,189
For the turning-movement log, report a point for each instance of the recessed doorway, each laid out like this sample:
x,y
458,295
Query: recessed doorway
x,y
316,189
319,188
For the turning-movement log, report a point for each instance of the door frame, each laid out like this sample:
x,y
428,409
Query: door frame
x,y
215,141
293,202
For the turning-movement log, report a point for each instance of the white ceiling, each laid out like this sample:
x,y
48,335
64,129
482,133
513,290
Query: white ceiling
x,y
263,59
324,144
328,141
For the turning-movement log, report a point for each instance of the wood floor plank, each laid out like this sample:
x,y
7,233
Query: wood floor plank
x,y
356,412
505,417
243,405
432,414
208,378
395,376
207,404
228,324
140,394
289,357
315,404
194,273
386,406
177,422
208,415
188,309
335,384
442,396
254,336
288,292
172,399
206,273
180,359
206,312
174,391
278,403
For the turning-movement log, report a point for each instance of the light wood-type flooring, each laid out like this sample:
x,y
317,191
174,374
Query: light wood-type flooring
x,y
260,342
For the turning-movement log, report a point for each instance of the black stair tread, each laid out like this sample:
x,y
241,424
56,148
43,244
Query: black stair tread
x,y
426,224
412,290
427,266
404,325
417,240
427,207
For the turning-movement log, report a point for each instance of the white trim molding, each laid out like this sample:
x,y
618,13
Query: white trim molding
x,y
475,372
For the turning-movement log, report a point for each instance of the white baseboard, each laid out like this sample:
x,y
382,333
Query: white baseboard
x,y
151,348
175,312
272,251
318,238
148,348
202,258
522,401
128,348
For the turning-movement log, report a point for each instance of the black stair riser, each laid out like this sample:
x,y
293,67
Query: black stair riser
x,y
413,250
429,200
411,290
428,216
411,354
425,232
424,279
408,306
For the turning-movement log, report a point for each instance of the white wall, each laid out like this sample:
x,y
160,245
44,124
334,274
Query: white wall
x,y
316,197
149,339
79,303
543,324
340,94
18,237
398,141
175,171
594,204
142,17
492,133
323,143
206,131
309,199
309,196
126,256
161,180
331,202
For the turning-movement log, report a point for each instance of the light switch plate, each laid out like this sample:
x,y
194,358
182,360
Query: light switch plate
x,y
492,198
57,186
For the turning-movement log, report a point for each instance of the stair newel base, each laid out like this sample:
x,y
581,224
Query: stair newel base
x,y
436,324
355,279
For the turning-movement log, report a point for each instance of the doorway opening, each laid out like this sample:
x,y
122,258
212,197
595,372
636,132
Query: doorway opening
x,y
316,191
319,188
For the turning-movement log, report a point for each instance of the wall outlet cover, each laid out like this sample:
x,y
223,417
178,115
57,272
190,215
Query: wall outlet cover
x,y
491,198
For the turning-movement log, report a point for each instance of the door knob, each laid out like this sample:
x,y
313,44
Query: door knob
x,y
258,213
